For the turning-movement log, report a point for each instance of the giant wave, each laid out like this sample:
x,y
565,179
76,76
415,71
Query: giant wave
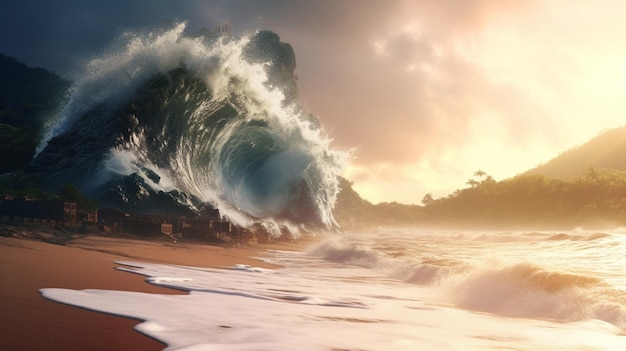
x,y
168,122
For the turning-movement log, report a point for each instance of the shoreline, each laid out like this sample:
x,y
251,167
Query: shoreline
x,y
73,261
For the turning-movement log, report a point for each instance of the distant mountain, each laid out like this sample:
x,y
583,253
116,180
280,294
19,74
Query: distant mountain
x,y
606,151
27,93
27,96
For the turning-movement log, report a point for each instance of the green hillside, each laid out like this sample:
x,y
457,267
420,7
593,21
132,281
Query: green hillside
x,y
606,151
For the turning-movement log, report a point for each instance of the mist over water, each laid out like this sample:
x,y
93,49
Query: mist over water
x,y
214,118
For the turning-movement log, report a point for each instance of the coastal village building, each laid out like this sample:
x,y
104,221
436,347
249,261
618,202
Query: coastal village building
x,y
211,227
45,212
208,228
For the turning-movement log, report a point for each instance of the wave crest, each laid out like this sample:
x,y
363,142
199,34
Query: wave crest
x,y
525,290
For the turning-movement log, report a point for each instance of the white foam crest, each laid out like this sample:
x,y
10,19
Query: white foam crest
x,y
124,162
406,269
335,250
525,290
230,71
114,77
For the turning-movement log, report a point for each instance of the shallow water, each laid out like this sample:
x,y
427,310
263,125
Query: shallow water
x,y
393,290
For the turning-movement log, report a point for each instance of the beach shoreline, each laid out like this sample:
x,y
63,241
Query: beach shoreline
x,y
31,259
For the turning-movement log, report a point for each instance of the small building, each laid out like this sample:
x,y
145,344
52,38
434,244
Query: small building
x,y
45,212
167,228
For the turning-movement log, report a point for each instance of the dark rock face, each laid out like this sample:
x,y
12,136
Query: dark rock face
x,y
75,156
266,47
132,194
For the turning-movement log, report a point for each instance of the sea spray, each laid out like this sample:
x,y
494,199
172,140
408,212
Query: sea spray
x,y
171,114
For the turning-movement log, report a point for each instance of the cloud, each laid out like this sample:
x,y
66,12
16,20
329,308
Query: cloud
x,y
404,91
499,85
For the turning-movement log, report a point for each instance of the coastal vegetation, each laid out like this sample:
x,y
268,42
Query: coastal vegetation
x,y
594,197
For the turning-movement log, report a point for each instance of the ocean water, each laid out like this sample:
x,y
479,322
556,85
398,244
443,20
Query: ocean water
x,y
400,289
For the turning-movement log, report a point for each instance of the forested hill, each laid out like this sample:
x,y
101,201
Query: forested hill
x,y
585,186
606,151
26,96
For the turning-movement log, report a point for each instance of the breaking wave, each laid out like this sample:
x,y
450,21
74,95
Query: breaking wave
x,y
497,273
216,119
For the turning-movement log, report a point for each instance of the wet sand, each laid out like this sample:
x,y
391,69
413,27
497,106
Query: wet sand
x,y
29,322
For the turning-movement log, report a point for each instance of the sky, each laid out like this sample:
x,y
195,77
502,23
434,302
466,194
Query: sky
x,y
423,93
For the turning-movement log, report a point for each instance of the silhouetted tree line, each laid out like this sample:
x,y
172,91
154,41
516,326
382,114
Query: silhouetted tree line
x,y
597,198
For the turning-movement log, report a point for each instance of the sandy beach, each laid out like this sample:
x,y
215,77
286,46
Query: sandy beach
x,y
30,322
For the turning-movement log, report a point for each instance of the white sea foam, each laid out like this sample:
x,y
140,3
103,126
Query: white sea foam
x,y
317,304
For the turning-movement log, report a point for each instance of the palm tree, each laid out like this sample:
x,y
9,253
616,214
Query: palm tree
x,y
428,199
480,173
473,183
